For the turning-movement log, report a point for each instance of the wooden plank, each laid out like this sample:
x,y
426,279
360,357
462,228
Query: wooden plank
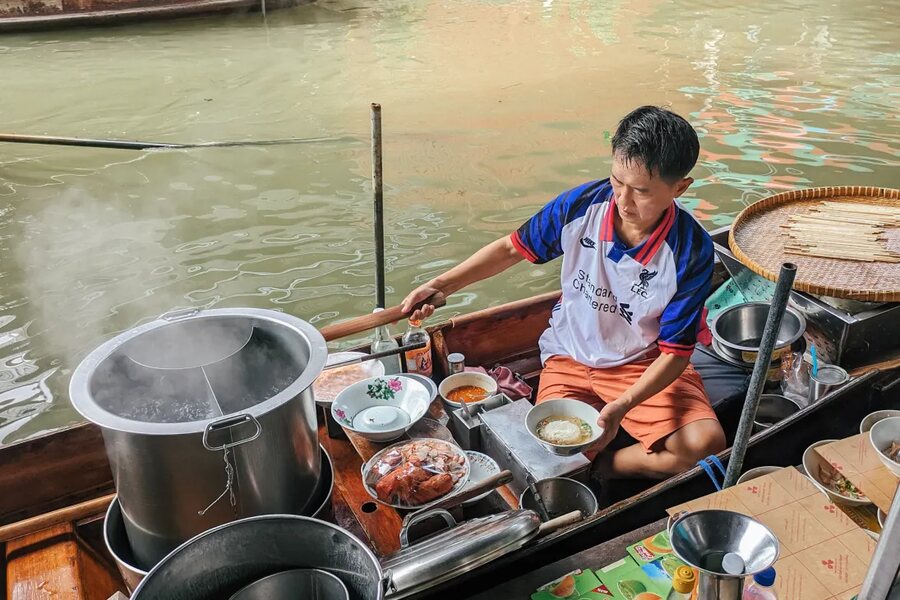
x,y
380,523
63,515
43,564
495,334
53,564
57,470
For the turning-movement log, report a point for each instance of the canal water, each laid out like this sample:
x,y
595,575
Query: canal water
x,y
491,108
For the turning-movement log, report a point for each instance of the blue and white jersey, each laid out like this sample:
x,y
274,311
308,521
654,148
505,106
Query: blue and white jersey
x,y
618,303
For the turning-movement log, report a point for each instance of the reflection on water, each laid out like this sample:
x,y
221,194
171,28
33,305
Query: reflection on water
x,y
491,107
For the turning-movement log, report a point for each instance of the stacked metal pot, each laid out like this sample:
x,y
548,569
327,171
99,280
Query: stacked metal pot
x,y
207,417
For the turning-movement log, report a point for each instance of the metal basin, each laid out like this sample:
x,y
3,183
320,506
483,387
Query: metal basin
x,y
117,545
220,562
738,331
207,417
116,539
309,584
561,495
772,409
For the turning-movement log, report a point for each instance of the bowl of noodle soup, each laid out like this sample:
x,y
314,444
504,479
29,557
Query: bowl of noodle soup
x,y
564,426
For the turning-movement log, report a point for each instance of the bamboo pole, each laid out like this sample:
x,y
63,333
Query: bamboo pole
x,y
378,193
51,140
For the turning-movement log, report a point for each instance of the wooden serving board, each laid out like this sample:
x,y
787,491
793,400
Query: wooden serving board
x,y
381,523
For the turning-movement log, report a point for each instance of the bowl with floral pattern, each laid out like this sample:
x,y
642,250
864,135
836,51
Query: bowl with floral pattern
x,y
381,409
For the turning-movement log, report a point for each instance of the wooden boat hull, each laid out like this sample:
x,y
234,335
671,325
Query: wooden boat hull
x,y
24,15
70,466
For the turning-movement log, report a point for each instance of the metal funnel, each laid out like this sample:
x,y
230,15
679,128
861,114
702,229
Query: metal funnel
x,y
702,539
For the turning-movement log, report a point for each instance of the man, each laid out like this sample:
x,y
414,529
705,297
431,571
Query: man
x,y
636,271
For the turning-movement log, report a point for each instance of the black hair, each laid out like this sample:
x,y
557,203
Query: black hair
x,y
662,141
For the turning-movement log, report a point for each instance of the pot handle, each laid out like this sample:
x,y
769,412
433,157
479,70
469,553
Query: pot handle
x,y
177,315
673,519
422,516
228,423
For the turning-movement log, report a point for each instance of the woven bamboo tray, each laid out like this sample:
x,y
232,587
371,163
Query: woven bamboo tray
x,y
758,240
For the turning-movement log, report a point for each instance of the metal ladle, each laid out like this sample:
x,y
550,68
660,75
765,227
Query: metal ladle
x,y
538,500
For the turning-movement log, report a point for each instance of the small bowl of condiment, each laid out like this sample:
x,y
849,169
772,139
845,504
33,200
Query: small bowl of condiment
x,y
564,426
469,387
885,438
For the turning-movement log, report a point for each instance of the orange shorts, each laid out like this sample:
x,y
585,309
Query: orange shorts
x,y
651,421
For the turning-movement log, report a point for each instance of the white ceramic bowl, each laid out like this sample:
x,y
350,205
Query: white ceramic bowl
x,y
756,472
811,463
332,382
430,385
460,379
870,419
481,466
881,435
563,408
381,409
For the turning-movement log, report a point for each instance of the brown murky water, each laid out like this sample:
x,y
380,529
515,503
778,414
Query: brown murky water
x,y
490,109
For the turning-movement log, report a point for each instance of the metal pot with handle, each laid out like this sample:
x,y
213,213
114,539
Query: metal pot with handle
x,y
207,417
224,560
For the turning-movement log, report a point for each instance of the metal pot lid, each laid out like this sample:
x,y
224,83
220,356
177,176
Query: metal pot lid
x,y
462,548
178,373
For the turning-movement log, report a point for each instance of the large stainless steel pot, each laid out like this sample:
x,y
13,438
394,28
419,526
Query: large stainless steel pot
x,y
207,417
220,562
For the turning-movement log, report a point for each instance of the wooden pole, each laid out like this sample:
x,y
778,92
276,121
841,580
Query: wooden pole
x,y
51,140
378,192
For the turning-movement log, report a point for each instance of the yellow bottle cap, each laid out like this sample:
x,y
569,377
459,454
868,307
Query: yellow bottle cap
x,y
684,580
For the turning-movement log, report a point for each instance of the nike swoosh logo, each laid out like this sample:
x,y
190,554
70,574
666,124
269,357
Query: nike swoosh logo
x,y
588,243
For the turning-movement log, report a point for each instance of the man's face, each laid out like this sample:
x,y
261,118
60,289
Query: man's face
x,y
642,198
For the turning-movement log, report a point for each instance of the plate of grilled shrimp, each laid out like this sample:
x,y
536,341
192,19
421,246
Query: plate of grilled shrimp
x,y
416,473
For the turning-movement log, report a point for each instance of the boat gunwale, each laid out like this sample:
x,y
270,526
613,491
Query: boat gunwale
x,y
180,8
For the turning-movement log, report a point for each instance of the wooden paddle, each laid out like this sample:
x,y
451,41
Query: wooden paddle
x,y
384,317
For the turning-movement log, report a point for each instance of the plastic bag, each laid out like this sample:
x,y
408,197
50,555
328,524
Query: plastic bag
x,y
795,377
417,472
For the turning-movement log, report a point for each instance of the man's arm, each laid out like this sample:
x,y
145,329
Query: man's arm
x,y
658,376
494,258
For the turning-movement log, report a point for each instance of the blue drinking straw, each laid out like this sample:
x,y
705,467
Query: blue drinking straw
x,y
815,360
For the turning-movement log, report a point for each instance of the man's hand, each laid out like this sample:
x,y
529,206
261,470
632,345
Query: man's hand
x,y
423,292
610,418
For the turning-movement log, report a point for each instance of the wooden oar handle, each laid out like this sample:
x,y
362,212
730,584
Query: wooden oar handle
x,y
384,317
485,485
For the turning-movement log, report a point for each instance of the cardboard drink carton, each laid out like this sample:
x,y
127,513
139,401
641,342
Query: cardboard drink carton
x,y
651,548
629,581
581,584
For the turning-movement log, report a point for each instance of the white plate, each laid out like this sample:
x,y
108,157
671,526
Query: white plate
x,y
460,484
481,466
325,393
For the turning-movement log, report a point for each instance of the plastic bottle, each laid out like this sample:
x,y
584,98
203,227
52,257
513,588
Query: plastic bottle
x,y
682,584
762,586
417,361
382,342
